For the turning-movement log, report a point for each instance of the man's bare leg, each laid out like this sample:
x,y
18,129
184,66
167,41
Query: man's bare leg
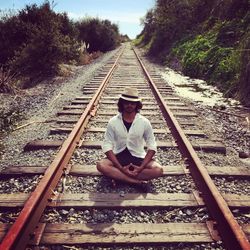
x,y
151,171
106,167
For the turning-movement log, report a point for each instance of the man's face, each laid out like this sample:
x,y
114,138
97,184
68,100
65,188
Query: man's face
x,y
129,107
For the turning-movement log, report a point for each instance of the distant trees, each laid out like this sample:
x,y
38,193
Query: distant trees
x,y
99,34
36,40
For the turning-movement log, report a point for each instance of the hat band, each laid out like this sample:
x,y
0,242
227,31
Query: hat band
x,y
130,96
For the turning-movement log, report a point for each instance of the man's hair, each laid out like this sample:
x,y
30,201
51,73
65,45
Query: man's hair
x,y
120,105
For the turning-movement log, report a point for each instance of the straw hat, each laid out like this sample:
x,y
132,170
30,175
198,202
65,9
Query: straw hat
x,y
130,94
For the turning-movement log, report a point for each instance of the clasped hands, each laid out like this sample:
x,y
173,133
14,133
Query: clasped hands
x,y
132,170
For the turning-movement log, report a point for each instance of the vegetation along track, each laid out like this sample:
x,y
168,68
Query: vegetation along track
x,y
73,205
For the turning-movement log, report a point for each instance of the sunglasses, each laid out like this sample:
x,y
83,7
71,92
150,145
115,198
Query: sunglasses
x,y
129,102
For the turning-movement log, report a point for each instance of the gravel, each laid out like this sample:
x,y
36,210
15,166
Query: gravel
x,y
99,136
9,217
86,156
169,184
37,157
59,136
232,130
30,115
233,185
121,216
39,104
82,156
22,184
96,123
173,246
242,215
220,160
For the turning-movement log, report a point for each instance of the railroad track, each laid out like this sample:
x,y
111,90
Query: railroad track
x,y
75,143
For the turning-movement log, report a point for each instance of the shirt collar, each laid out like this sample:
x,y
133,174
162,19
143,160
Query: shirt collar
x,y
137,116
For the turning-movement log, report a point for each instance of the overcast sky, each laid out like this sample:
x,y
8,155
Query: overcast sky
x,y
125,13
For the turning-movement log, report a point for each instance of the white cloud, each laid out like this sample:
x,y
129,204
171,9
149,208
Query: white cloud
x,y
116,17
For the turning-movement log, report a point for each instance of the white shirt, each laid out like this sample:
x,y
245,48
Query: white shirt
x,y
117,138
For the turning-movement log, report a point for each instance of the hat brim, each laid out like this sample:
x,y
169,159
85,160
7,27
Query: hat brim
x,y
130,99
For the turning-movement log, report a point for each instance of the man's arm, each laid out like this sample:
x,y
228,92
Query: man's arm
x,y
112,157
151,145
148,157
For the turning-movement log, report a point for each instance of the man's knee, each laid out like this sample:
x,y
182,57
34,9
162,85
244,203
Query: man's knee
x,y
102,166
99,166
158,171
161,171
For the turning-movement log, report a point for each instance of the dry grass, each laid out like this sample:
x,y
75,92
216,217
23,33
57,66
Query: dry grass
x,y
86,58
64,70
8,81
96,54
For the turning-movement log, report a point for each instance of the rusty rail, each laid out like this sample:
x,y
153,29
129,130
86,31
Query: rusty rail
x,y
229,229
23,229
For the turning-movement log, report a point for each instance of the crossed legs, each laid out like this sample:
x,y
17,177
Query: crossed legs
x,y
151,171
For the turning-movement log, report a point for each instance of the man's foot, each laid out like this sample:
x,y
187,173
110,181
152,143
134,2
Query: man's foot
x,y
113,183
144,187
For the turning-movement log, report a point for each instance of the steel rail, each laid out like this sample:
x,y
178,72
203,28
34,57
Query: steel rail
x,y
21,231
229,229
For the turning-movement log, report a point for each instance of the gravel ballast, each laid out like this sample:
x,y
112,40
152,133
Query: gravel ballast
x,y
41,103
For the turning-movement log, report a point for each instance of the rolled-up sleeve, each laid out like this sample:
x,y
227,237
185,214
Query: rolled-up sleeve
x,y
107,144
149,137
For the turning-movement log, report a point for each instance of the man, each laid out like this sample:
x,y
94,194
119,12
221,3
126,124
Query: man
x,y
124,140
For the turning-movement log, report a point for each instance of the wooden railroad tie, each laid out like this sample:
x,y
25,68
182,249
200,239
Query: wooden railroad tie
x,y
56,130
112,233
106,119
90,170
115,98
129,200
112,113
204,146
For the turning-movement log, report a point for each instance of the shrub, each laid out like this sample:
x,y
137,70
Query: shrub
x,y
201,57
8,81
42,54
193,55
37,40
244,82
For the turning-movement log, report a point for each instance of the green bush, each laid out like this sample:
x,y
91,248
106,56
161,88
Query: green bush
x,y
13,33
138,40
202,58
228,65
193,55
243,92
209,38
42,54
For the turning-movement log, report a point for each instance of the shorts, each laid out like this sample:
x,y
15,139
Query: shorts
x,y
125,158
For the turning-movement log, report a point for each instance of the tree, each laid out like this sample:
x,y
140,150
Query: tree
x,y
100,35
36,40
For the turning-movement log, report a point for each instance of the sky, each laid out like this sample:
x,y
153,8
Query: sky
x,y
125,13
